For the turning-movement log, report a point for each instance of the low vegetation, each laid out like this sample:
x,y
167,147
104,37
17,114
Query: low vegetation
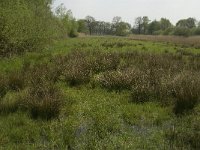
x,y
101,93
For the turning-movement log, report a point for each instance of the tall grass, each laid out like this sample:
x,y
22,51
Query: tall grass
x,y
186,41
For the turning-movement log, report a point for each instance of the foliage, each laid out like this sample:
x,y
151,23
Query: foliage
x,y
44,100
182,31
186,90
93,117
18,35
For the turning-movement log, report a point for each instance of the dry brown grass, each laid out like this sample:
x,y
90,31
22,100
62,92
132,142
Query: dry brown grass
x,y
193,41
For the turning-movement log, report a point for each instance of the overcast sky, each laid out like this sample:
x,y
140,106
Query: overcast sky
x,y
105,10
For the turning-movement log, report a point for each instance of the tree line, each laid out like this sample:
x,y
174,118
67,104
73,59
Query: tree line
x,y
142,25
30,25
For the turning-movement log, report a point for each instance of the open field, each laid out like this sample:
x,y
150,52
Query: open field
x,y
102,93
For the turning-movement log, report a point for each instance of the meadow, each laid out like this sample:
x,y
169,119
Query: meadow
x,y
102,93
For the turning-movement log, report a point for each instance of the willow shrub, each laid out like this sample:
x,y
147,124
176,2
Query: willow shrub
x,y
26,25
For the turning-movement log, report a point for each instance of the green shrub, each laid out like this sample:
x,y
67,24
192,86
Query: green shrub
x,y
186,91
17,35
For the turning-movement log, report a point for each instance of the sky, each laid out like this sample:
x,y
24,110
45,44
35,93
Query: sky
x,y
105,10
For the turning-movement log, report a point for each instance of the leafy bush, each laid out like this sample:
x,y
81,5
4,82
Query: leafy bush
x,y
18,35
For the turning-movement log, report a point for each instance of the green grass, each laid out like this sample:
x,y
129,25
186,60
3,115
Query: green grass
x,y
93,117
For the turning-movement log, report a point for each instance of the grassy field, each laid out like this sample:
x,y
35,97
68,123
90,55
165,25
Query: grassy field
x,y
102,93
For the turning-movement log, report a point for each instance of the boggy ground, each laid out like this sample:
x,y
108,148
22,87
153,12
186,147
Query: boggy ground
x,y
101,93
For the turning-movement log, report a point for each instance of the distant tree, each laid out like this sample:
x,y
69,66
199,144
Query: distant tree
x,y
182,31
198,24
123,29
154,27
119,27
90,23
82,26
186,23
107,28
117,20
138,24
67,25
145,23
165,24
196,31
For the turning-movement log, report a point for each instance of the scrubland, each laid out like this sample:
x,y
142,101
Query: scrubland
x,y
102,93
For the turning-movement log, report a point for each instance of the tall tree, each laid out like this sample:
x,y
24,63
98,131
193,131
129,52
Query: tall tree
x,y
153,27
82,26
117,20
165,24
90,23
122,29
186,23
145,23
138,24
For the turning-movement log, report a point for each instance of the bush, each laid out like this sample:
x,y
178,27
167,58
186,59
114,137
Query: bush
x,y
101,62
141,92
44,100
118,80
39,72
186,91
18,35
77,69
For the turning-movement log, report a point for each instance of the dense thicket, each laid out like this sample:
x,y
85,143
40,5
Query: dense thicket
x,y
29,25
